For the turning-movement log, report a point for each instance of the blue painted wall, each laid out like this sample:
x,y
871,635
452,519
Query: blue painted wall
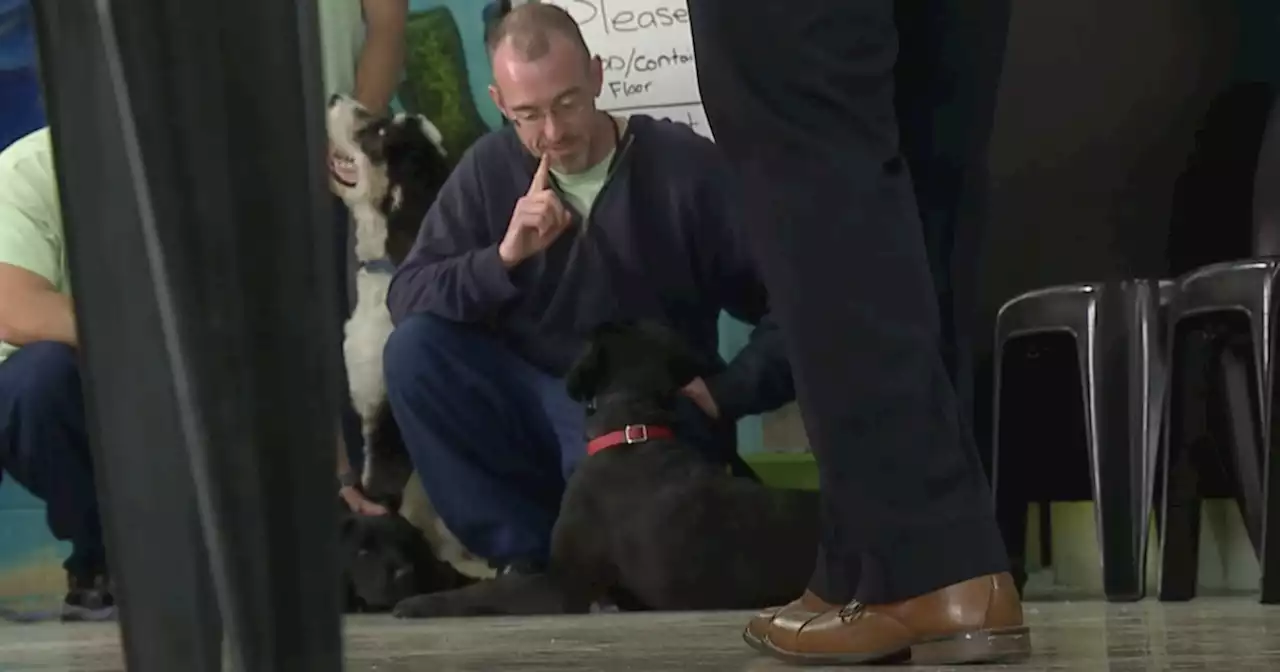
x,y
30,573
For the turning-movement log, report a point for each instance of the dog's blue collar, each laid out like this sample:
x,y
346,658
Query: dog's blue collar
x,y
383,265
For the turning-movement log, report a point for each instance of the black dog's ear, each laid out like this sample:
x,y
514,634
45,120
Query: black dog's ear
x,y
682,362
584,376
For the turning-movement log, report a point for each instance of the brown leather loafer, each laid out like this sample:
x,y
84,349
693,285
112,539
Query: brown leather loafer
x,y
974,621
808,606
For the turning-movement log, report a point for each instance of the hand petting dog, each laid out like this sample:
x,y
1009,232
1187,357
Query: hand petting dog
x,y
539,219
358,503
701,395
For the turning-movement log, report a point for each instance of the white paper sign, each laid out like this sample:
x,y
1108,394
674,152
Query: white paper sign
x,y
647,51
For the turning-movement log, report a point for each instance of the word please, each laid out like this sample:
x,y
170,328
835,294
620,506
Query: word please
x,y
586,12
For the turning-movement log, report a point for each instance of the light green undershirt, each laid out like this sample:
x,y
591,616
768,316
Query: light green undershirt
x,y
582,189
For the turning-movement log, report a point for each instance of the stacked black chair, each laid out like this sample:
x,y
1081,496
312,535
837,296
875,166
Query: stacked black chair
x,y
1229,310
1213,372
1116,331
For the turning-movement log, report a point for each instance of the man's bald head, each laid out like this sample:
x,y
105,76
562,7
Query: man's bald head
x,y
529,29
546,82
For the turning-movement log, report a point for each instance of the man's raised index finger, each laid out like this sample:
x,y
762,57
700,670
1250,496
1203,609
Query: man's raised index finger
x,y
542,178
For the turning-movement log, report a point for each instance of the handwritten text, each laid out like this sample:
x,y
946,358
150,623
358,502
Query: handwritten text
x,y
589,12
641,62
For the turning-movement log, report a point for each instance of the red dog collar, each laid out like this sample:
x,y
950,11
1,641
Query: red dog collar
x,y
628,435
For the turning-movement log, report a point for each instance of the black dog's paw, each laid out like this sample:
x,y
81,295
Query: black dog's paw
x,y
423,606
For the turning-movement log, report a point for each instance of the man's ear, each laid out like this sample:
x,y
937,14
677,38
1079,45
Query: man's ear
x,y
583,378
595,73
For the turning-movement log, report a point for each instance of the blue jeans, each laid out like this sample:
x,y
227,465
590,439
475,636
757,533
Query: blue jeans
x,y
21,112
493,438
44,446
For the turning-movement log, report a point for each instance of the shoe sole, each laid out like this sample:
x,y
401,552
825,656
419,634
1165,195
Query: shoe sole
x,y
998,646
72,614
755,642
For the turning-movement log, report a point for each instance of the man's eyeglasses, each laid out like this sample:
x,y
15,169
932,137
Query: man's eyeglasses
x,y
561,110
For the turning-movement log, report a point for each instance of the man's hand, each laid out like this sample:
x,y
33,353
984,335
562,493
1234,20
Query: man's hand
x,y
539,219
698,392
351,495
358,503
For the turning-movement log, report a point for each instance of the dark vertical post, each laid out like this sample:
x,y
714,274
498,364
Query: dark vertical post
x,y
149,507
189,143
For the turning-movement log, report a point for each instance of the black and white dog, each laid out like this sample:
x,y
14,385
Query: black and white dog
x,y
388,171
648,522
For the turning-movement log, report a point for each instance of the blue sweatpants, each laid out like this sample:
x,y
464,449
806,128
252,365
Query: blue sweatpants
x,y
493,438
44,446
21,111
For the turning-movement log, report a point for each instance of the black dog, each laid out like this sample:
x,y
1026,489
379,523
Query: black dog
x,y
385,559
646,519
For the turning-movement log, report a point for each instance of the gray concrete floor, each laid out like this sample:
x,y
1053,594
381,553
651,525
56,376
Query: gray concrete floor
x,y
1208,634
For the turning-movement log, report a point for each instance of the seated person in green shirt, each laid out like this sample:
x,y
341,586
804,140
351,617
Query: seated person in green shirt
x,y
43,442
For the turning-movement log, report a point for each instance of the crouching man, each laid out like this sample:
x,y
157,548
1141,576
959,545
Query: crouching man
x,y
567,218
43,443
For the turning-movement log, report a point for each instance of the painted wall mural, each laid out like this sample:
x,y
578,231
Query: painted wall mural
x,y
447,70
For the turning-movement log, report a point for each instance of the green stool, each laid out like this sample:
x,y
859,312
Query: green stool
x,y
798,471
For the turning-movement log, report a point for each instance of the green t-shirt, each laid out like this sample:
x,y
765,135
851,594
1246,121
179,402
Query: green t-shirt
x,y
581,189
31,234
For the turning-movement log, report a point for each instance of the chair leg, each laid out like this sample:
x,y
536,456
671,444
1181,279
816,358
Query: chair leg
x,y
1245,382
1268,494
1270,560
1114,362
1179,511
1241,438
1046,533
1180,537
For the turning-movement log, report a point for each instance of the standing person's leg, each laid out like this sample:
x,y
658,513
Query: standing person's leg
x,y
828,201
950,58
490,436
44,446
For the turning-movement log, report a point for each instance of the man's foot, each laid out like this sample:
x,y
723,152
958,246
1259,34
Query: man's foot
x,y
974,621
89,599
806,607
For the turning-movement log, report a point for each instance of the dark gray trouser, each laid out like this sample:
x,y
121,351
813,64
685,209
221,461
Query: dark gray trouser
x,y
871,273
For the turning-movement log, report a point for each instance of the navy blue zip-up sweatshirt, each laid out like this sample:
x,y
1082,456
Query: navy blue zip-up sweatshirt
x,y
659,244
